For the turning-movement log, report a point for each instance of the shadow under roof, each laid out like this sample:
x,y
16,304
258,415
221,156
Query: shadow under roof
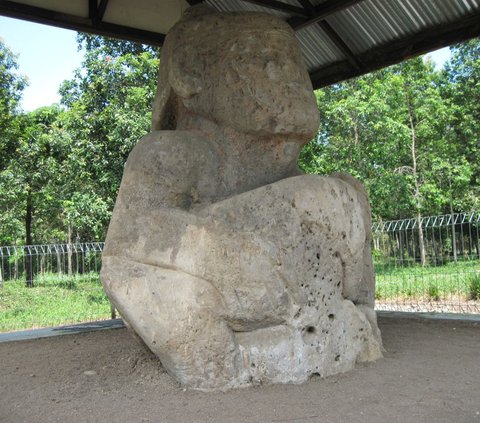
x,y
340,39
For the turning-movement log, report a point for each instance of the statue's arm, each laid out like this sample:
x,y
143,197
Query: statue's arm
x,y
163,170
152,227
159,185
167,175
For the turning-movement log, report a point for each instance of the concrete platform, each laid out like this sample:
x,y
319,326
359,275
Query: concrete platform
x,y
118,323
23,335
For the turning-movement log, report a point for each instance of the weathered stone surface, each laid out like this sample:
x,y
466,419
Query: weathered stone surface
x,y
228,263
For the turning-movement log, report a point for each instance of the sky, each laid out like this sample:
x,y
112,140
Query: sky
x,y
48,56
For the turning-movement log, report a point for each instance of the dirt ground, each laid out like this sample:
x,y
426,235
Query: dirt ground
x,y
430,373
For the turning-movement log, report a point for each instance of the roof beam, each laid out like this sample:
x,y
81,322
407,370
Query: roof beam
x,y
102,8
390,54
279,5
270,4
340,44
321,12
93,10
77,23
96,11
333,36
308,6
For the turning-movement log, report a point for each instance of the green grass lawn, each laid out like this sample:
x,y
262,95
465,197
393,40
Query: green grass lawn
x,y
54,300
59,300
452,281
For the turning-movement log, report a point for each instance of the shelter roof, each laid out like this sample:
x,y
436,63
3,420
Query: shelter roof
x,y
340,39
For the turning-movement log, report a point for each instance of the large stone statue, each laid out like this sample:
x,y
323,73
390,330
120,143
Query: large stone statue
x,y
230,265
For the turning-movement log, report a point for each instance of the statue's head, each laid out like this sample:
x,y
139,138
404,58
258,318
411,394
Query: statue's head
x,y
241,70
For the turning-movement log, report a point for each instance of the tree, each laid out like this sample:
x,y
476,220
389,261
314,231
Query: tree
x,y
11,88
361,133
33,173
409,133
108,110
462,87
426,117
367,127
61,166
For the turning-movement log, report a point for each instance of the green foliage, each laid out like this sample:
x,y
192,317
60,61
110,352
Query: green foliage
x,y
452,281
109,110
11,88
62,172
462,87
30,177
113,47
399,131
433,292
54,300
473,281
408,132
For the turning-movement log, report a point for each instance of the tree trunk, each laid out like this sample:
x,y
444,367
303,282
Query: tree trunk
x,y
29,272
376,242
77,255
15,266
392,242
421,241
477,239
454,235
42,265
69,250
462,242
402,248
417,195
59,261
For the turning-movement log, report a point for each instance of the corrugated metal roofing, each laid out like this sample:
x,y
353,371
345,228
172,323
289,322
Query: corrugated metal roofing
x,y
377,22
317,54
339,38
239,5
365,26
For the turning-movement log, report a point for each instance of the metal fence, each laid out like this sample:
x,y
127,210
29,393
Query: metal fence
x,y
50,285
428,264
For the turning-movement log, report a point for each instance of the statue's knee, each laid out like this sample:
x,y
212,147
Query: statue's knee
x,y
169,303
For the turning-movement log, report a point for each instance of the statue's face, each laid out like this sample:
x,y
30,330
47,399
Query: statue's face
x,y
255,81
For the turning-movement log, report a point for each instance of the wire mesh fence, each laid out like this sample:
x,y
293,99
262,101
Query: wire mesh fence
x,y
50,285
428,264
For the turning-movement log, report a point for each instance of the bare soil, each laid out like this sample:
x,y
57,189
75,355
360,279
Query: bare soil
x,y
430,373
